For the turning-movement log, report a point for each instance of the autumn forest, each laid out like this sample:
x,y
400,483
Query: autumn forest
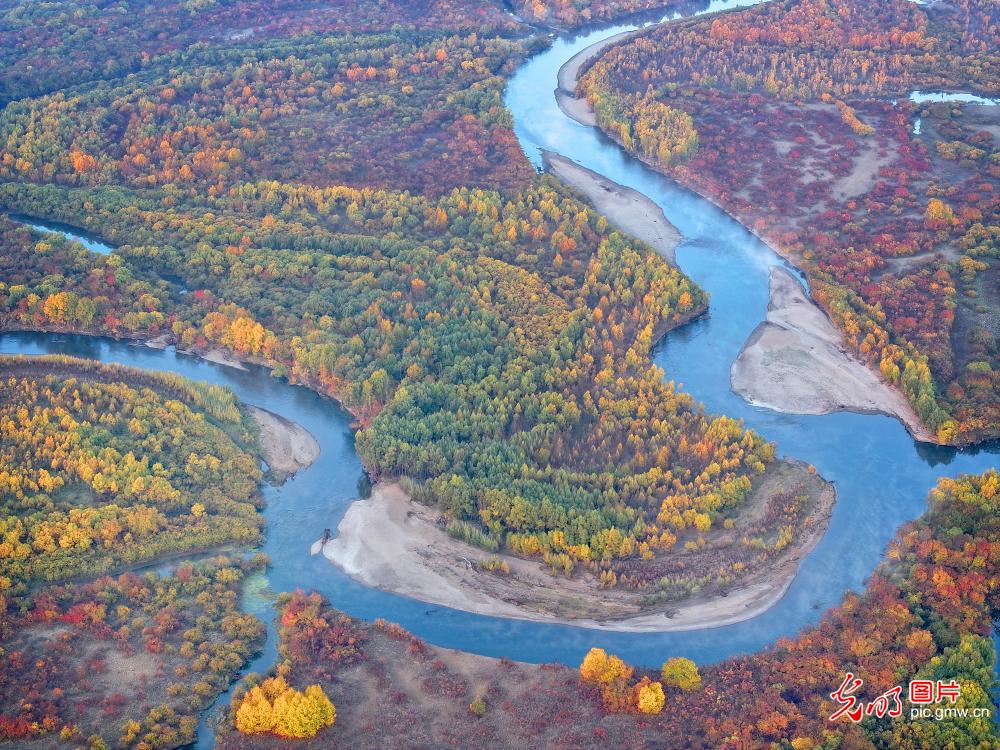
x,y
336,196
895,229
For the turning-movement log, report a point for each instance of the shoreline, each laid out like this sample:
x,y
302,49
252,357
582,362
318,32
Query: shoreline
x,y
569,71
216,354
287,446
795,363
579,110
574,107
219,357
626,209
390,542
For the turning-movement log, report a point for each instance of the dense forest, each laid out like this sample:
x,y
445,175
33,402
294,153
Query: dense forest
x,y
104,467
896,225
353,211
417,110
574,13
48,46
926,614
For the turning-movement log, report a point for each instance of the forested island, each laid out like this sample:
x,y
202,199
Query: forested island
x,y
337,194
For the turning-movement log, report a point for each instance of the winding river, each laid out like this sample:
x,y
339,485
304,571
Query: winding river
x,y
882,476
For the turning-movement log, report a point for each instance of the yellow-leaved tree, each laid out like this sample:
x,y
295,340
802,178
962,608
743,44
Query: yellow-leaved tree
x,y
612,675
600,667
682,673
303,714
274,706
255,713
649,697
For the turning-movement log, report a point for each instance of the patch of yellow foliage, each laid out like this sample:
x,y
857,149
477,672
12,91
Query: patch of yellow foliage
x,y
604,669
276,707
524,301
682,673
649,697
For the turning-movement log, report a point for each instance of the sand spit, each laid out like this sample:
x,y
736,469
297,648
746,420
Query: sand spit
x,y
788,365
390,542
795,362
287,445
628,210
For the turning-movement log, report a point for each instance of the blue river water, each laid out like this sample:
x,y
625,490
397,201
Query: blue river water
x,y
76,234
882,475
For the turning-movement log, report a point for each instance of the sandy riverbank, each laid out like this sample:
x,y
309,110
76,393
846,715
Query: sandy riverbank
x,y
628,210
287,445
789,364
795,362
159,342
222,357
390,542
577,109
569,73
217,355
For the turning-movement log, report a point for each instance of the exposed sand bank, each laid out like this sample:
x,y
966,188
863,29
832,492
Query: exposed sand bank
x,y
159,342
577,109
217,355
795,362
287,446
392,543
628,210
569,73
222,357
792,365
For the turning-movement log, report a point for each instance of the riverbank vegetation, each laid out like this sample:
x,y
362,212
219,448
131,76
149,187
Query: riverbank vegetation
x,y
127,661
352,210
274,707
333,190
105,467
575,13
795,117
926,613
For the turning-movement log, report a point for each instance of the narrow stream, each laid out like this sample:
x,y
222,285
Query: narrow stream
x,y
882,476
89,241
